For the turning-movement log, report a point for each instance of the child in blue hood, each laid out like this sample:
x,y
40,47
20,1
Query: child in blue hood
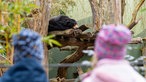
x,y
28,55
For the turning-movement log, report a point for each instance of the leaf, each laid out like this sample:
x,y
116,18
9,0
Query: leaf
x,y
48,37
51,41
11,10
51,36
55,42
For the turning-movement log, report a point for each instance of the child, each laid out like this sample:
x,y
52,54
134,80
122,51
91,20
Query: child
x,y
110,51
28,56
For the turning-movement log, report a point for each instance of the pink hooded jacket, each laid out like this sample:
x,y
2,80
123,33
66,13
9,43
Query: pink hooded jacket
x,y
108,70
110,51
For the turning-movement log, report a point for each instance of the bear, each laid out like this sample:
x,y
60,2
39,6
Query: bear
x,y
61,22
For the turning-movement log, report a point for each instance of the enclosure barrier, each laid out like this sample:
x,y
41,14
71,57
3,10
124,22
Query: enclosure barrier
x,y
4,67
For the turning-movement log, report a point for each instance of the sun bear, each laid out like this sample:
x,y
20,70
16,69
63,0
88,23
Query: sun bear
x,y
61,22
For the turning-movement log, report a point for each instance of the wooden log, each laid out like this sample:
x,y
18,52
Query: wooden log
x,y
68,32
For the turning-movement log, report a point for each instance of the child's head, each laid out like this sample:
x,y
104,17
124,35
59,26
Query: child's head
x,y
111,40
27,44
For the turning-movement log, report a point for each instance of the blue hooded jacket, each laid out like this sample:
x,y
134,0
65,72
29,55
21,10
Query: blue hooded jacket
x,y
26,70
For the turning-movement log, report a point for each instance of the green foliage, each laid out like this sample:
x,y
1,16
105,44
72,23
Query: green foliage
x,y
11,17
2,50
61,6
11,10
49,40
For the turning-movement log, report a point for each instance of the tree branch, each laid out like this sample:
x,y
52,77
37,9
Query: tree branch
x,y
62,71
134,15
134,23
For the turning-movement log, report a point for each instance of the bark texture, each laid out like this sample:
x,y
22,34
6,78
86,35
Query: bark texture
x,y
106,12
39,23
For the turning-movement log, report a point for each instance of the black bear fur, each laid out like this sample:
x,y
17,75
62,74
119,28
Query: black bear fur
x,y
61,22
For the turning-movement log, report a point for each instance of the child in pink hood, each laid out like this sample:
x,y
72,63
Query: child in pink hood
x,y
110,51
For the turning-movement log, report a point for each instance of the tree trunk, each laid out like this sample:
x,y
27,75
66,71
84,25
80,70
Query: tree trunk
x,y
110,11
105,12
123,4
39,23
95,14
